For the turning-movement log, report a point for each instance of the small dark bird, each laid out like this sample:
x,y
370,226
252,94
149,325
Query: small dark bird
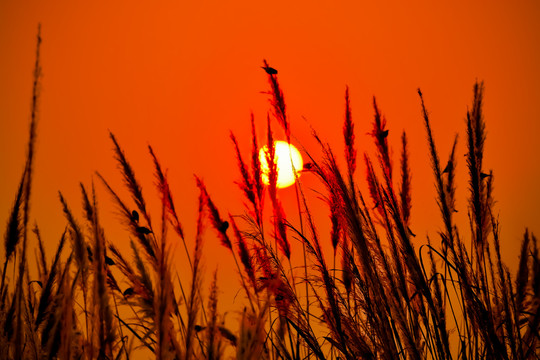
x,y
484,175
135,216
198,328
223,227
279,297
308,166
143,230
269,70
128,292
449,166
384,134
109,261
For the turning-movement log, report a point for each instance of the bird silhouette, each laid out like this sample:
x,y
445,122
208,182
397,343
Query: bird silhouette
x,y
143,230
269,70
223,227
384,134
135,216
307,166
484,175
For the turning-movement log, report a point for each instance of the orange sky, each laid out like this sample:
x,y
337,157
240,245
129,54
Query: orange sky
x,y
180,74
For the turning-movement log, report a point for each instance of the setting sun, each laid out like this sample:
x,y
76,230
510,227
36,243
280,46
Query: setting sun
x,y
286,157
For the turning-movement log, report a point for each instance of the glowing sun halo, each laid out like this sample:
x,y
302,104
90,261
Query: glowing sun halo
x,y
284,154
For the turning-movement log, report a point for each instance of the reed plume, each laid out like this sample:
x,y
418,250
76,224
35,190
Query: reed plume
x,y
348,135
278,101
218,223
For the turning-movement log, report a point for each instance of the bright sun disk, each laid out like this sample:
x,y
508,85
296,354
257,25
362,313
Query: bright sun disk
x,y
286,156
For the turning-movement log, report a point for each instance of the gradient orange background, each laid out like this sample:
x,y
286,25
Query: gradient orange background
x,y
180,74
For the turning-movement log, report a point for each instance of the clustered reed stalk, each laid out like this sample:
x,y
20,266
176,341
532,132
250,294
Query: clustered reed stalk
x,y
385,300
